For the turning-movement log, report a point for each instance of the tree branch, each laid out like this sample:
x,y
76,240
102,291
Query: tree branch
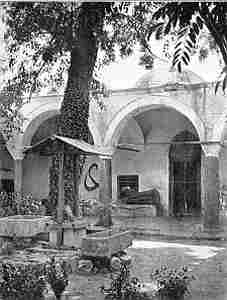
x,y
219,39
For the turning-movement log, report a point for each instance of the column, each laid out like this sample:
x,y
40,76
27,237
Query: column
x,y
18,177
211,185
105,192
105,185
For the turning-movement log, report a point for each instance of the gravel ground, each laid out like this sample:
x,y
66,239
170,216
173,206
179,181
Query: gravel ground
x,y
207,261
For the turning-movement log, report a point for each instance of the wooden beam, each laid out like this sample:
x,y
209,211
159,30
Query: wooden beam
x,y
76,206
60,207
137,147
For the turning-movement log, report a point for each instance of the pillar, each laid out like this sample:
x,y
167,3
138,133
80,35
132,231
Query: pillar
x,y
105,185
18,177
211,185
105,192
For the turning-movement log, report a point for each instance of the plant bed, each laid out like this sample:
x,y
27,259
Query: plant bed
x,y
23,225
106,243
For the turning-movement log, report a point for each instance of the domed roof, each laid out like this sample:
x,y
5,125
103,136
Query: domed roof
x,y
162,74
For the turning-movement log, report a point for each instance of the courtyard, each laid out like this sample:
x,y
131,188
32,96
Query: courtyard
x,y
206,260
103,185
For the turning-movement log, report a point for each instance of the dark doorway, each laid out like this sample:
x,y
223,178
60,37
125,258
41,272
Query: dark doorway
x,y
185,176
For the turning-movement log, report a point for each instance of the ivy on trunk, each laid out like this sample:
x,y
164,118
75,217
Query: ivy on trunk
x,y
75,107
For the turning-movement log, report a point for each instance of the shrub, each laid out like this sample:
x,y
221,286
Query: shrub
x,y
27,205
123,287
22,282
7,204
172,284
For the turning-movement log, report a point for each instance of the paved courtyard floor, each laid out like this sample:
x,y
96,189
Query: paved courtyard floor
x,y
207,260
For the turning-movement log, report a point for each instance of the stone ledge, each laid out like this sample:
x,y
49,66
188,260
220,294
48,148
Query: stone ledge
x,y
66,296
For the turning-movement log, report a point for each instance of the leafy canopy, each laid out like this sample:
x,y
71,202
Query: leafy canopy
x,y
189,20
41,36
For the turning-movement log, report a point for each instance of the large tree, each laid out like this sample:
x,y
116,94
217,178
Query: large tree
x,y
50,39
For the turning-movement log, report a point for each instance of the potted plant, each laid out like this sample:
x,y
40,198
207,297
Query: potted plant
x,y
172,284
22,282
57,277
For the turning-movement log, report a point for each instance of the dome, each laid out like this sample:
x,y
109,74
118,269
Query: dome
x,y
162,74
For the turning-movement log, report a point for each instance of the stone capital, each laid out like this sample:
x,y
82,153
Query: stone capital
x,y
212,149
105,157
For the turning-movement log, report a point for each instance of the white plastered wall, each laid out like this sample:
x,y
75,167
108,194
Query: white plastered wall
x,y
152,164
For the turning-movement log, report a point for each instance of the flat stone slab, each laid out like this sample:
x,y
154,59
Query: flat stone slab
x,y
23,226
106,243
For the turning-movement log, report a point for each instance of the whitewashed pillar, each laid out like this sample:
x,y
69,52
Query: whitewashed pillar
x,y
211,184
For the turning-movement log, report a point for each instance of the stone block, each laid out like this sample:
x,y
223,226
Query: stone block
x,y
115,263
85,266
73,264
23,226
149,290
106,243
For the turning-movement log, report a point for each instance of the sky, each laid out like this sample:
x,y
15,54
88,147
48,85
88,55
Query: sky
x,y
124,73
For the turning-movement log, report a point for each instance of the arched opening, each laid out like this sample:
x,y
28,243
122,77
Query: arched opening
x,y
185,175
36,167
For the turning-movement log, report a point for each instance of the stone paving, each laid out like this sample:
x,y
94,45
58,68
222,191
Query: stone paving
x,y
169,227
207,260
162,244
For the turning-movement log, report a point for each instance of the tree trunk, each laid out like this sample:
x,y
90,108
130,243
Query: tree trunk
x,y
75,106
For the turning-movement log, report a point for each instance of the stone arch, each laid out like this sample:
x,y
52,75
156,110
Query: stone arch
x,y
34,124
36,121
146,103
94,132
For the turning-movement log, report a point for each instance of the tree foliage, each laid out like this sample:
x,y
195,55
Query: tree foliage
x,y
190,19
41,37
63,44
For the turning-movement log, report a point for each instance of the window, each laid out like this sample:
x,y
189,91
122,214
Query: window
x,y
7,185
127,184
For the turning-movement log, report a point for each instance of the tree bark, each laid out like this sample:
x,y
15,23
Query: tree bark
x,y
74,111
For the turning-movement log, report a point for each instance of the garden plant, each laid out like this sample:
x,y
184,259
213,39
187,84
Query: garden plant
x,y
172,284
30,281
123,286
57,277
26,205
22,282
